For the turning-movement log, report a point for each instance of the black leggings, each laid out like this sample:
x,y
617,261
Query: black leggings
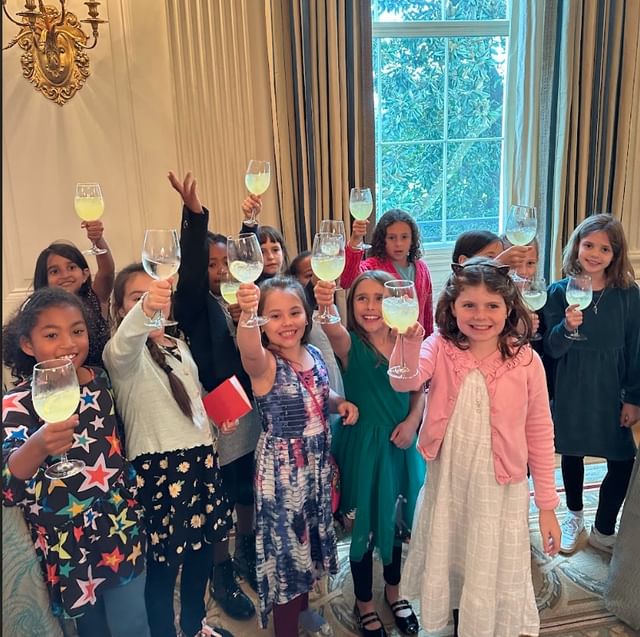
x,y
612,491
362,573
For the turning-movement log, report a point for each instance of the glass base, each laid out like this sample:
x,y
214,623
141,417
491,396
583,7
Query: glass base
x,y
254,321
251,223
95,251
169,322
398,371
536,337
64,469
364,246
325,318
575,336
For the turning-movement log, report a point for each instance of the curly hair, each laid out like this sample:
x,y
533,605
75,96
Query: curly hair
x,y
495,277
619,273
23,321
378,242
67,251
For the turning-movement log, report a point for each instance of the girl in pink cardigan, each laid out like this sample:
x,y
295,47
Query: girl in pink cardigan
x,y
395,249
487,417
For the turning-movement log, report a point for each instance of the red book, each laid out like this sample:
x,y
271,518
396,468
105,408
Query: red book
x,y
227,401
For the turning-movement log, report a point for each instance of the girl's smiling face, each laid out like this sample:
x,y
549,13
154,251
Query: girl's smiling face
x,y
59,333
287,319
64,273
367,305
595,255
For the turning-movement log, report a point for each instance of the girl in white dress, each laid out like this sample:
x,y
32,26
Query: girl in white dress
x,y
487,417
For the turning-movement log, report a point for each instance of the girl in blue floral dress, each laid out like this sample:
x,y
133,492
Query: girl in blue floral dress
x,y
295,538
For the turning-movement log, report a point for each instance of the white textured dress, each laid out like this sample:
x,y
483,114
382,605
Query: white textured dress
x,y
470,541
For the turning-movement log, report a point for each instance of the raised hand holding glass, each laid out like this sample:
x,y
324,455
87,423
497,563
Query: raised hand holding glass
x,y
245,264
89,206
400,311
534,294
361,207
521,225
579,292
257,180
327,263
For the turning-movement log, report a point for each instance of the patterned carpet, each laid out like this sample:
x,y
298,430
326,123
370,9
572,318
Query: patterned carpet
x,y
568,589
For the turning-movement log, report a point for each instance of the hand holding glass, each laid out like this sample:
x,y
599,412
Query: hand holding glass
x,y
56,394
161,260
400,310
521,225
257,180
361,207
580,293
245,264
327,263
89,206
534,294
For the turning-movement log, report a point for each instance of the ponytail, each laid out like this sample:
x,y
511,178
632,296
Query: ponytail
x,y
177,386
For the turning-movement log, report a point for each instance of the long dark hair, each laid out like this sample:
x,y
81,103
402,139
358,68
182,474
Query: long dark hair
x,y
178,389
378,243
620,272
67,251
495,276
24,319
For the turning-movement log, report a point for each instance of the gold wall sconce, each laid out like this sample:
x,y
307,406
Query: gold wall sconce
x,y
54,59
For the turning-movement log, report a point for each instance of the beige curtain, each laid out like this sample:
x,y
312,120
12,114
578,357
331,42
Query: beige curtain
x,y
319,57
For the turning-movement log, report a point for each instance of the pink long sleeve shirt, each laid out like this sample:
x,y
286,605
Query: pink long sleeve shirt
x,y
355,265
521,425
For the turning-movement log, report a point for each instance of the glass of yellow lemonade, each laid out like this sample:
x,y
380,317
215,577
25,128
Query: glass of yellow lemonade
x,y
400,311
89,206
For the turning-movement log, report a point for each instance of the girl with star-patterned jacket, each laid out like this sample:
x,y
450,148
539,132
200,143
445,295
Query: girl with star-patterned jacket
x,y
87,528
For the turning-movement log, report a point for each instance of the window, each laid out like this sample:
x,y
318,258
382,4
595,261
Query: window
x,y
439,81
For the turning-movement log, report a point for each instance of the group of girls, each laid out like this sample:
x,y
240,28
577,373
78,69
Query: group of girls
x,y
165,495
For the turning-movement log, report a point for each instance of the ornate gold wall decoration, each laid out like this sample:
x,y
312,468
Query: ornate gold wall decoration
x,y
54,59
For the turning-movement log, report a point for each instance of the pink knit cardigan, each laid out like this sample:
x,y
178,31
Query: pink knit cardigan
x,y
355,266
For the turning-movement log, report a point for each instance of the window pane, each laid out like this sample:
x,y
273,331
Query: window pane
x,y
477,68
476,10
409,88
406,10
473,187
410,177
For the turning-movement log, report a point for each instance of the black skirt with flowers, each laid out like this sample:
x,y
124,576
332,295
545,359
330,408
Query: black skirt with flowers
x,y
184,502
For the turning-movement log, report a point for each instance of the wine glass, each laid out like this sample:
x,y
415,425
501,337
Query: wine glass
x,y
361,207
579,292
161,260
245,264
327,263
89,206
56,394
522,224
534,293
333,226
400,311
229,288
257,180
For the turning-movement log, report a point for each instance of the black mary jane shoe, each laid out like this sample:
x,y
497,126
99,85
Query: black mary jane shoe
x,y
366,620
406,625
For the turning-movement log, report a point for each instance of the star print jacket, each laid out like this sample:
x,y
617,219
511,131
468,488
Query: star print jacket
x,y
87,530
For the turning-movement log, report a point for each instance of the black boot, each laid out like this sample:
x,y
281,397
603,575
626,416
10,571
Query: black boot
x,y
225,590
244,559
456,619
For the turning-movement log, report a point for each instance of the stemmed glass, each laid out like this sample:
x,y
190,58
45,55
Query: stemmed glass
x,y
229,288
534,294
521,225
56,394
361,207
161,260
400,311
332,226
89,206
327,263
245,264
579,292
257,180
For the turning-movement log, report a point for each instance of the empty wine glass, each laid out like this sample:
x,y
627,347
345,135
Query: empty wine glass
x,y
361,207
521,225
257,180
89,206
534,294
400,311
327,263
579,292
245,264
56,394
161,260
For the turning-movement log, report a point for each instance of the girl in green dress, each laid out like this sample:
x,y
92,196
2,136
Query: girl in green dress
x,y
381,471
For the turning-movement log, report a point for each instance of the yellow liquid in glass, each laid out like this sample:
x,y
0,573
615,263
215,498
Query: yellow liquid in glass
x,y
360,209
327,267
89,208
257,183
56,406
521,236
229,291
244,271
400,313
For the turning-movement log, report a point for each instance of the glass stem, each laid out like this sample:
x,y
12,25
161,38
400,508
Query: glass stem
x,y
402,363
